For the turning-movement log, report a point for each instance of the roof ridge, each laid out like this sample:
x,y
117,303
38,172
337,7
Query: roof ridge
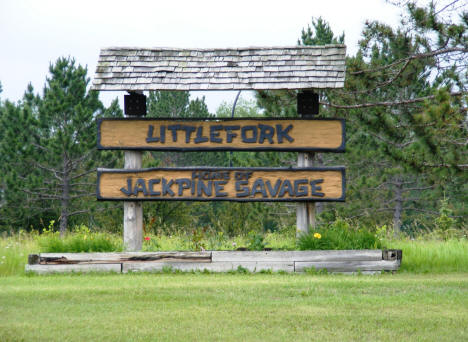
x,y
163,48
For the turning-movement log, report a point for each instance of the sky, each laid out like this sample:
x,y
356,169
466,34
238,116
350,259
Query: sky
x,y
34,34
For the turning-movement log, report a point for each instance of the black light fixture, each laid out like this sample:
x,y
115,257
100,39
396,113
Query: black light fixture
x,y
135,104
307,103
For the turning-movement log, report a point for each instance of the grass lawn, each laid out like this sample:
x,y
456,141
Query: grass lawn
x,y
234,307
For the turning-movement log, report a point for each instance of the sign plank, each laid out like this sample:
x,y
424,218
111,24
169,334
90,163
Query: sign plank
x,y
222,184
271,134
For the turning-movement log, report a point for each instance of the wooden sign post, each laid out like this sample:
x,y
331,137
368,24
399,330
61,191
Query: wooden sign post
x,y
133,211
251,68
304,185
305,212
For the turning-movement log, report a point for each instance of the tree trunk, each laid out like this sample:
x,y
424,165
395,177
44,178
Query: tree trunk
x,y
398,207
65,202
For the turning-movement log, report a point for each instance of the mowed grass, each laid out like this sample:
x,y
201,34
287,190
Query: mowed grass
x,y
234,307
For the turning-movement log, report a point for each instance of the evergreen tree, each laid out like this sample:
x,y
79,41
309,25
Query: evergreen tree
x,y
16,146
405,89
406,115
50,146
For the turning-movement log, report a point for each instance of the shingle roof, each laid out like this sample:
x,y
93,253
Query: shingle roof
x,y
251,68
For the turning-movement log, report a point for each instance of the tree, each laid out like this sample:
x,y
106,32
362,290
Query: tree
x,y
283,103
17,121
52,144
405,104
321,34
406,88
410,84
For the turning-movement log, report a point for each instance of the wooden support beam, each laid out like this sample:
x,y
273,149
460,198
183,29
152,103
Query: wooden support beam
x,y
286,256
77,268
251,266
348,266
305,212
133,211
75,258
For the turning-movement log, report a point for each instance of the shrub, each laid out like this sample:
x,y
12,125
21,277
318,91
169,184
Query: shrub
x,y
256,242
339,235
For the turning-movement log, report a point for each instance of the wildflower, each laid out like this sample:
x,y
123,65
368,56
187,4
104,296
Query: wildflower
x,y
147,238
317,235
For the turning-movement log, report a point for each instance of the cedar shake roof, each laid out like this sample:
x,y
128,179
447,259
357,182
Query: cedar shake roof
x,y
251,68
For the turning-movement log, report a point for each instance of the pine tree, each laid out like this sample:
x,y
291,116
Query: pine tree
x,y
406,89
406,115
50,146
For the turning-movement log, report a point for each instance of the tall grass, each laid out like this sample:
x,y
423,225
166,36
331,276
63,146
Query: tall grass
x,y
419,256
432,256
81,240
14,251
78,243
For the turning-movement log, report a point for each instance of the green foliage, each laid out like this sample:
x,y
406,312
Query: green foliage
x,y
48,153
256,241
402,154
339,235
444,221
197,239
321,34
81,240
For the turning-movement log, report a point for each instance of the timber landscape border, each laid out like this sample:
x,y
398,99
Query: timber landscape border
x,y
333,261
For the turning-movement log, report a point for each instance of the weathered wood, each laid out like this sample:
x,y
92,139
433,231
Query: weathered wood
x,y
33,259
223,184
348,266
287,256
360,272
392,254
62,258
248,68
327,135
252,266
78,268
133,211
305,212
339,261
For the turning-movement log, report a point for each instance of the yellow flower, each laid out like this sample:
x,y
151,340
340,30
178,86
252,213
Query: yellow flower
x,y
317,236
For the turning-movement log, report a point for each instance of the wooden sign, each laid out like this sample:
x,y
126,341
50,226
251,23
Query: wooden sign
x,y
321,135
222,184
